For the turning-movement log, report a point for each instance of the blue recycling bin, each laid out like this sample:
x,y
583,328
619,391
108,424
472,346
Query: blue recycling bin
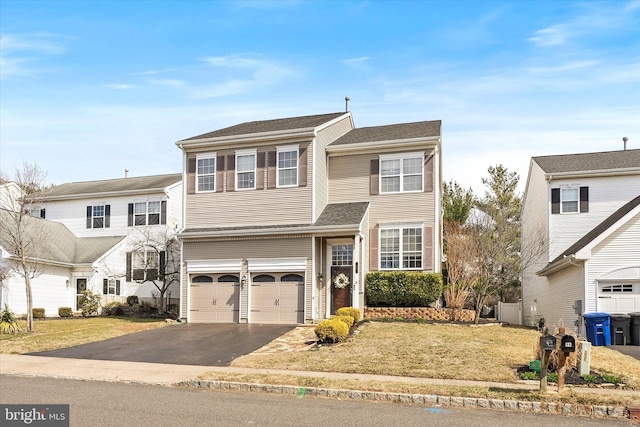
x,y
598,328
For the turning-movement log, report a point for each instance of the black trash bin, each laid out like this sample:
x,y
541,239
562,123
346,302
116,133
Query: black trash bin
x,y
635,328
620,329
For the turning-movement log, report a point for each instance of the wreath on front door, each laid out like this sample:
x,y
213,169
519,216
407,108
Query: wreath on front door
x,y
341,281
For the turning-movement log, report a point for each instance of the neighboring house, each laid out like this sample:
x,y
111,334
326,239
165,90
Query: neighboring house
x,y
275,210
585,208
123,211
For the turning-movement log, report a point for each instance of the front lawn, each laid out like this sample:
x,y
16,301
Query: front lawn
x,y
488,353
51,334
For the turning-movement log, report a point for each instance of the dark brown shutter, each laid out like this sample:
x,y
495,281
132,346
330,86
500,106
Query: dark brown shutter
x,y
584,199
271,169
163,212
162,263
231,172
260,159
427,248
428,174
374,187
117,287
555,200
130,216
89,213
107,216
220,174
43,213
373,249
302,168
128,267
105,286
191,175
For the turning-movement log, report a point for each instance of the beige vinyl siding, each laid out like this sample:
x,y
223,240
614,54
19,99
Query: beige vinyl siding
x,y
248,248
319,293
324,138
184,288
556,302
268,206
308,291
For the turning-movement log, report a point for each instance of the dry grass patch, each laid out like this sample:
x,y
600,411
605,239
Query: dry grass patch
x,y
52,334
609,361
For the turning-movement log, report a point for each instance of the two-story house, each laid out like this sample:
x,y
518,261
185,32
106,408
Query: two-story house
x,y
581,236
284,218
99,236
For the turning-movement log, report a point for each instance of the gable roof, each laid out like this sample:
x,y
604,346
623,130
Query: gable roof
x,y
264,126
120,185
393,132
60,244
594,233
590,162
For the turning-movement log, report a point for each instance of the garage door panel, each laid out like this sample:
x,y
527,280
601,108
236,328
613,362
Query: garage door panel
x,y
215,302
277,302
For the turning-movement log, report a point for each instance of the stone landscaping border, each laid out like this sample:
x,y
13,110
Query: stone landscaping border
x,y
420,399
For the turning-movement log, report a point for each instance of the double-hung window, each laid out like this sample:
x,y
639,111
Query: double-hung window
x,y
246,170
401,248
98,216
111,286
144,265
570,199
146,213
400,174
206,173
287,169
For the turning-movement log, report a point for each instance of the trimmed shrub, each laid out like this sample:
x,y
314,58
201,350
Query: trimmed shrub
x,y
349,311
332,330
88,302
8,321
402,289
172,308
114,308
346,319
132,300
65,312
38,313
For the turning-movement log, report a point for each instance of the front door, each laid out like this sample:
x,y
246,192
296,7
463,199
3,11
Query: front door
x,y
341,276
81,286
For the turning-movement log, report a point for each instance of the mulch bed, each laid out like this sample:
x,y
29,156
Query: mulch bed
x,y
571,377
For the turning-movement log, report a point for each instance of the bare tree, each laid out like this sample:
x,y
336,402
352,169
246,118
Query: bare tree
x,y
22,235
155,258
460,274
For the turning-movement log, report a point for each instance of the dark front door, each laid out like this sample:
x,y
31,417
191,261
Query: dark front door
x,y
341,276
81,286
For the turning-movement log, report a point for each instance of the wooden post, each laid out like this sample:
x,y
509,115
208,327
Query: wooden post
x,y
562,369
543,371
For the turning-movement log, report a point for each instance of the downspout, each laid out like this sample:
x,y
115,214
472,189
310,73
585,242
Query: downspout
x,y
183,282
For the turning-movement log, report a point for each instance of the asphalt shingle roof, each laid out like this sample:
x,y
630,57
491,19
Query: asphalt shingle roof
x,y
113,185
391,132
606,160
261,126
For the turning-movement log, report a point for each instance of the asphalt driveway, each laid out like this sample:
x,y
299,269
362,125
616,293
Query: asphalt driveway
x,y
629,350
180,344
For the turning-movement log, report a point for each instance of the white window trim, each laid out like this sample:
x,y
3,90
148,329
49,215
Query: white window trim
x,y
215,170
241,153
569,187
146,212
115,287
284,149
400,228
402,157
104,215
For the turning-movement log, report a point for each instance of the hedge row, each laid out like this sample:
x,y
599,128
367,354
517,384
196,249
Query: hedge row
x,y
402,289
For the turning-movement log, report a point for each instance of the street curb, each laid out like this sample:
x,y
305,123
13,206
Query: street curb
x,y
421,399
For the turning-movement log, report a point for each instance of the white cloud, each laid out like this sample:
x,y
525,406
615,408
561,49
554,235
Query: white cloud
x,y
169,82
356,63
551,36
120,86
18,53
633,5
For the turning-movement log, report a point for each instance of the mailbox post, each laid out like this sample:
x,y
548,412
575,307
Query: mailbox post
x,y
547,344
567,345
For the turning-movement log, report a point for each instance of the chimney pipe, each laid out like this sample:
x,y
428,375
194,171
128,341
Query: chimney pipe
x,y
126,173
346,104
624,141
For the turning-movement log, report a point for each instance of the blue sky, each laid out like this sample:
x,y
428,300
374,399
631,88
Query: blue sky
x,y
88,89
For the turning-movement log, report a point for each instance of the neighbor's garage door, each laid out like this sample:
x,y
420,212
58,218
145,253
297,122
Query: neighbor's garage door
x,y
619,298
215,298
277,298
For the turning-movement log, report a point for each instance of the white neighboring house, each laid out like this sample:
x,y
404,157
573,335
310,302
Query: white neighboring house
x,y
99,223
587,209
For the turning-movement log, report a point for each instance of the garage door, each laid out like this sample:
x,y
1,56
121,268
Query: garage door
x,y
277,298
215,298
619,298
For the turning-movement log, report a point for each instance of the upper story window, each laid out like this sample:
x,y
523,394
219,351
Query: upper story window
x,y
38,213
569,199
144,265
401,173
287,166
206,173
246,170
98,216
147,213
401,248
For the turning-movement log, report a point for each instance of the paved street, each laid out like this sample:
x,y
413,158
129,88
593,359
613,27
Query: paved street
x,y
113,404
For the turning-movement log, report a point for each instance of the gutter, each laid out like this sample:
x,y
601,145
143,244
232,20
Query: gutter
x,y
295,133
391,144
556,266
589,173
270,231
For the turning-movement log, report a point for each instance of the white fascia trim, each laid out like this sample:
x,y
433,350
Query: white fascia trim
x,y
214,266
271,231
389,144
591,173
277,264
290,133
113,248
105,194
585,253
334,121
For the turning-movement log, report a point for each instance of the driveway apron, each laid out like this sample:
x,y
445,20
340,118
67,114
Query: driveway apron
x,y
181,344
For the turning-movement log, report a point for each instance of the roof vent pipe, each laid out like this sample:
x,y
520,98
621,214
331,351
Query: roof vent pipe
x,y
126,173
346,104
624,141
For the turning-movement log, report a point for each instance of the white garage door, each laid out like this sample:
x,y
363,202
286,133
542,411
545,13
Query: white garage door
x,y
277,298
619,298
215,298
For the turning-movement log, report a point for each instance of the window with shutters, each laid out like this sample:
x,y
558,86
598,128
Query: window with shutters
x,y
111,287
401,173
287,166
98,216
147,213
206,173
144,265
246,170
569,199
401,248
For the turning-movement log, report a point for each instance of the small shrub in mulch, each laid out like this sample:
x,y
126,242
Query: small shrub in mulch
x,y
571,377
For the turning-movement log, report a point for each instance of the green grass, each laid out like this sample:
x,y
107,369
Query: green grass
x,y
51,334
